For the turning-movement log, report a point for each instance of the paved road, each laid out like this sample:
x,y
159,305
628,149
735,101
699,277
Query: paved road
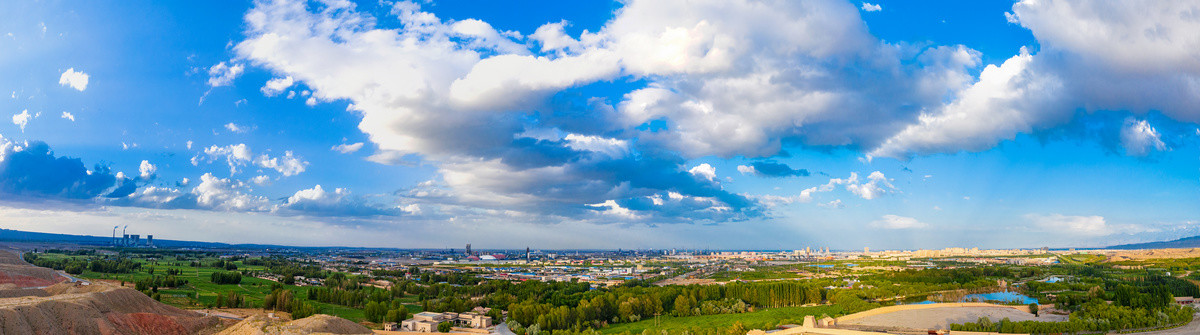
x,y
1192,328
502,329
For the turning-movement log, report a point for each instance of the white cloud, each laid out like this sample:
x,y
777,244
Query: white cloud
x,y
835,204
1110,55
237,128
147,170
226,194
74,79
189,145
1011,18
240,155
347,148
611,207
732,78
898,222
261,180
1007,100
870,7
235,155
747,169
1139,138
223,74
1094,225
704,170
68,116
288,164
877,185
22,119
275,86
553,37
611,147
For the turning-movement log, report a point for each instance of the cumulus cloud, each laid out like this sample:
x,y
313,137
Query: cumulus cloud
x,y
1139,138
74,79
875,186
288,164
771,169
68,116
147,171
22,119
898,222
1008,99
552,37
236,155
261,180
452,91
318,201
346,148
870,7
1096,56
715,78
223,74
275,86
226,194
708,172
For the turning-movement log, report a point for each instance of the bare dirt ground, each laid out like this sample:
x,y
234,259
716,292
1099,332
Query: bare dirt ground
x,y
1136,255
941,318
80,308
316,324
16,273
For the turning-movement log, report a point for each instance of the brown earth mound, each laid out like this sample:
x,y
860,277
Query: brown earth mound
x,y
76,308
316,324
96,309
16,273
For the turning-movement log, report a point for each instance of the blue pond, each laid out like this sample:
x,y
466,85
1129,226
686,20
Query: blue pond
x,y
1001,296
998,296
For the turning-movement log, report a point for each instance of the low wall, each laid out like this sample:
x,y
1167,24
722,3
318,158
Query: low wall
x,y
897,308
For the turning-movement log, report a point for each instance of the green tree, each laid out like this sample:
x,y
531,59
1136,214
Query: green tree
x,y
444,327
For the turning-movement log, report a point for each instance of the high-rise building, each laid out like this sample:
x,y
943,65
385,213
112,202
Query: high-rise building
x,y
469,249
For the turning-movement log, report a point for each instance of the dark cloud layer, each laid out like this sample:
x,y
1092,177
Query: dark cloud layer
x,y
34,170
776,169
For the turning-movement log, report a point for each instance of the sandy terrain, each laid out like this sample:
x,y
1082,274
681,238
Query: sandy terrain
x,y
1125,255
16,273
941,318
316,324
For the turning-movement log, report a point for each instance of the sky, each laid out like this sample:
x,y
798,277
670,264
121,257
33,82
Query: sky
x,y
594,124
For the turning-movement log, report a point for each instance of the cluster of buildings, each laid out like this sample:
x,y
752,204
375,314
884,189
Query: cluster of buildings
x,y
427,322
588,274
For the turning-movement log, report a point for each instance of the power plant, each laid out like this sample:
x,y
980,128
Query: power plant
x,y
128,240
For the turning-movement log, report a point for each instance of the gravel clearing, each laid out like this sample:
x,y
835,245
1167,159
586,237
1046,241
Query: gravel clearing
x,y
941,318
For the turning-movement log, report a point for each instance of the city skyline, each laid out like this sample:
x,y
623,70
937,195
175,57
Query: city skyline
x,y
604,125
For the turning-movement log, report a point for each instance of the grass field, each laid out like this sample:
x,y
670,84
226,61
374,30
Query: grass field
x,y
252,289
761,319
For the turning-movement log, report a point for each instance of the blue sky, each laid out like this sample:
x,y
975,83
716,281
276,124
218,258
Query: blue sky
x,y
638,124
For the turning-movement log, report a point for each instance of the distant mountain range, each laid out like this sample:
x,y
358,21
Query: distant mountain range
x,y
1186,242
26,236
